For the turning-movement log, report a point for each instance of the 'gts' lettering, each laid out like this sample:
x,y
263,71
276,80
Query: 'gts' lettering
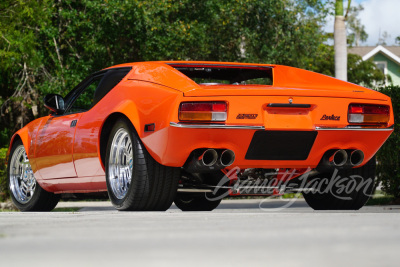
x,y
246,116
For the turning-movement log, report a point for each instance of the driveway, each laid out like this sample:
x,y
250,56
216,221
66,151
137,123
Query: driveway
x,y
238,233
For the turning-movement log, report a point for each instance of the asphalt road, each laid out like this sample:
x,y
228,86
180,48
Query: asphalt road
x,y
238,233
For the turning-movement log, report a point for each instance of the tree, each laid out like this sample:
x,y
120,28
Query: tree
x,y
364,73
20,25
49,46
356,30
283,32
340,41
388,168
382,38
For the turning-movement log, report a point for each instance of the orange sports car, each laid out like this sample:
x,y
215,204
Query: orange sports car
x,y
153,133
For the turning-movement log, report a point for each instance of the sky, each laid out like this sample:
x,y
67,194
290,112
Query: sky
x,y
377,16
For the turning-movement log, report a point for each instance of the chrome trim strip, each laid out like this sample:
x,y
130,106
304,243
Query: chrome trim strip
x,y
255,127
355,129
216,126
194,190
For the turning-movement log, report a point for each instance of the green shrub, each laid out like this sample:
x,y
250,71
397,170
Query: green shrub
x,y
388,156
3,175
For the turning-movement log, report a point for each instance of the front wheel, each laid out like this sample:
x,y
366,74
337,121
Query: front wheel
x,y
26,193
342,190
135,181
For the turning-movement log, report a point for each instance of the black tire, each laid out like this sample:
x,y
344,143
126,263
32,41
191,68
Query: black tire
x,y
40,200
195,202
153,186
351,193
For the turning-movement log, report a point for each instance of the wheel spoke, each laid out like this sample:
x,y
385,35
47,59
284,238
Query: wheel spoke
x,y
120,163
22,180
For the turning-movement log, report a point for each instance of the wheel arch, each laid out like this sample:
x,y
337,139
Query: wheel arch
x,y
21,135
105,132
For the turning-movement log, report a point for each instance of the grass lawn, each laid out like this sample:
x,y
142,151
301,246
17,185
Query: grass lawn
x,y
55,210
380,200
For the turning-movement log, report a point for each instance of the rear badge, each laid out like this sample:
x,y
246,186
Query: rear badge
x,y
246,116
330,118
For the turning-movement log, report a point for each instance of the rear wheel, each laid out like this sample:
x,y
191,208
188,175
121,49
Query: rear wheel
x,y
195,202
26,193
203,201
135,181
349,190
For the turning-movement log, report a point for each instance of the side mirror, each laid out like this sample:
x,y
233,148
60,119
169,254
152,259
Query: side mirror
x,y
55,103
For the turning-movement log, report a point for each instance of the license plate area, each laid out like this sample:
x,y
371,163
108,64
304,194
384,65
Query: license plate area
x,y
281,145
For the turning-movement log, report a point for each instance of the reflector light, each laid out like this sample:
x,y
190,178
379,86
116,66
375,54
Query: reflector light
x,y
203,111
368,114
356,110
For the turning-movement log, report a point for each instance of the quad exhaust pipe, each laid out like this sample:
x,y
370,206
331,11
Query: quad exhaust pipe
x,y
340,158
206,160
209,160
356,157
209,157
227,158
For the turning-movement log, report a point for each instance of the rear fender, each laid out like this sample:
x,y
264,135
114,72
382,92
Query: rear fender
x,y
129,109
144,104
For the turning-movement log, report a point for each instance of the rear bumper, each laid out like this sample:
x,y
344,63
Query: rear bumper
x,y
171,146
216,126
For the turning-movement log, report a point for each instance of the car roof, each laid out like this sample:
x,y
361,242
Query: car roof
x,y
194,62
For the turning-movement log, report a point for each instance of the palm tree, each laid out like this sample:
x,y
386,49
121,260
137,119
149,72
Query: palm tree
x,y
340,45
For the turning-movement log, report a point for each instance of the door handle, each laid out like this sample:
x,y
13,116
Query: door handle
x,y
73,123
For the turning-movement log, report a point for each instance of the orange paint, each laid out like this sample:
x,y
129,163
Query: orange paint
x,y
68,159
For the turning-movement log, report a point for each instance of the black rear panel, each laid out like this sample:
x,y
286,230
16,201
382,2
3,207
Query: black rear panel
x,y
281,145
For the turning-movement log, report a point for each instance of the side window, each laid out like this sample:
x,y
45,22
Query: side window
x,y
110,80
91,90
85,99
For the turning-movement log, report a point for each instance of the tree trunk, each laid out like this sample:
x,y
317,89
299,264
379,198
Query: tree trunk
x,y
340,45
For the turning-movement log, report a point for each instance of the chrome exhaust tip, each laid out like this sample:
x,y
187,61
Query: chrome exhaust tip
x,y
339,158
356,157
227,158
209,157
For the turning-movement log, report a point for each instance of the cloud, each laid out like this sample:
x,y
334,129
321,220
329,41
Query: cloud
x,y
378,16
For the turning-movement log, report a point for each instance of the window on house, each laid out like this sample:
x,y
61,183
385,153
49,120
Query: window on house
x,y
382,65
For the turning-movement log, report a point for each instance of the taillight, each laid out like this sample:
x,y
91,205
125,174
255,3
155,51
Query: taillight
x,y
203,111
368,114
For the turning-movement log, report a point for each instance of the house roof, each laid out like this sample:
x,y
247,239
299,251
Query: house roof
x,y
366,52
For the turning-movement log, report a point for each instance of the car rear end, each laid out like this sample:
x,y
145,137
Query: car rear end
x,y
287,118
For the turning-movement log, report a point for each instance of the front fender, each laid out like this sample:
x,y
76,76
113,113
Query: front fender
x,y
27,135
25,138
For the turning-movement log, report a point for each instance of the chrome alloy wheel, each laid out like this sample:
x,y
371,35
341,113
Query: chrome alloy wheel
x,y
22,180
120,163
